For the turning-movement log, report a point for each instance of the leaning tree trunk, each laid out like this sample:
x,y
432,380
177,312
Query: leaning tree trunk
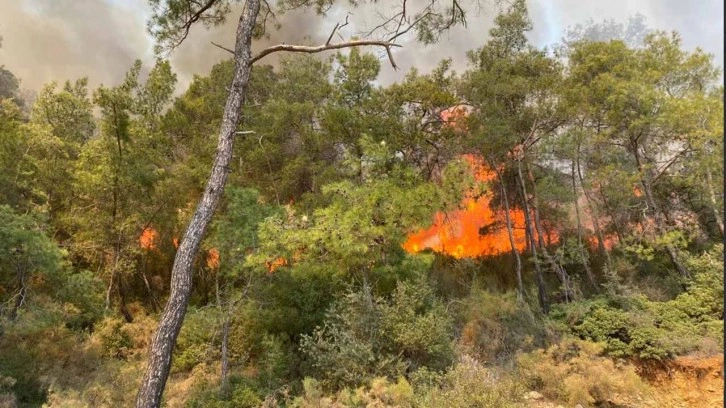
x,y
554,265
580,244
594,214
157,371
518,261
714,204
541,291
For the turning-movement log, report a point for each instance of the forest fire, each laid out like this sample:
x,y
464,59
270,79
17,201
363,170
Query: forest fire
x,y
213,258
147,239
278,262
475,229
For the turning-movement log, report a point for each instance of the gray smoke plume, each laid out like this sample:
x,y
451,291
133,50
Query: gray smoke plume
x,y
48,40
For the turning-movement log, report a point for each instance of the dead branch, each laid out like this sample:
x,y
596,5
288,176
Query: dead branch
x,y
337,28
332,33
222,47
312,50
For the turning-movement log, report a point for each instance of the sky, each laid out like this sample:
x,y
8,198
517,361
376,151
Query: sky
x,y
56,40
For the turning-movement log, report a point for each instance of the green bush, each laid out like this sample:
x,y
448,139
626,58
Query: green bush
x,y
468,384
115,341
633,326
242,395
365,336
496,326
198,340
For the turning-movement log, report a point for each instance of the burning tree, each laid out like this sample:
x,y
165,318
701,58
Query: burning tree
x,y
170,24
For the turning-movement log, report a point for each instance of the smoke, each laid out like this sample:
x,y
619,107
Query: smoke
x,y
45,40
56,40
197,55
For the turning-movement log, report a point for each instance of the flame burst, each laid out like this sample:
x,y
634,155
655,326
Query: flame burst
x,y
475,229
147,239
213,258
278,262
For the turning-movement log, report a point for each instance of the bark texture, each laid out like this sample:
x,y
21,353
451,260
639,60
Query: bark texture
x,y
510,234
584,258
160,353
541,291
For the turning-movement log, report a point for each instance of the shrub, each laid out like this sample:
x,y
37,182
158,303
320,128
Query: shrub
x,y
115,341
365,336
468,384
242,395
378,393
575,372
633,326
198,340
496,326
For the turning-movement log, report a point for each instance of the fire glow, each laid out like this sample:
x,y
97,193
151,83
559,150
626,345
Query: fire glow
x,y
473,230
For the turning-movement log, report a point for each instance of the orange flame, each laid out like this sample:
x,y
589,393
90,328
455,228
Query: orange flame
x,y
148,238
608,242
272,266
213,258
476,229
454,116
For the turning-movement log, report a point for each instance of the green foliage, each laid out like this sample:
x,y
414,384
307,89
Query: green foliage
x,y
243,395
364,222
497,326
29,257
468,384
115,341
633,326
198,341
234,233
365,336
9,84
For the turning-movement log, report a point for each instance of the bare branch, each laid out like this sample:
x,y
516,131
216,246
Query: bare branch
x,y
337,28
410,26
320,48
222,47
390,58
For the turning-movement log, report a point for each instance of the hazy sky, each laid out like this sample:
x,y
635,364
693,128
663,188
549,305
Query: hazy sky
x,y
46,40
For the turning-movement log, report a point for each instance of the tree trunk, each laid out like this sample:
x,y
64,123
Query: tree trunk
x,y
152,299
541,292
661,218
609,210
160,353
122,302
22,289
515,254
580,244
714,203
224,377
556,267
594,214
